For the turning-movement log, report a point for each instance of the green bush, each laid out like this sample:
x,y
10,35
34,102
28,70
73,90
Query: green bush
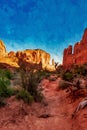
x,y
30,81
25,96
5,90
42,74
6,74
68,76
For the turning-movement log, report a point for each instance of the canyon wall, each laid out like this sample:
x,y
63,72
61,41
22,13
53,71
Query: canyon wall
x,y
36,57
76,55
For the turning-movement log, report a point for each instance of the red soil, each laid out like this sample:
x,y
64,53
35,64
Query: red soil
x,y
54,113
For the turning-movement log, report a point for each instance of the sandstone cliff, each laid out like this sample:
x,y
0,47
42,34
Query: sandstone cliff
x,y
35,58
2,49
76,55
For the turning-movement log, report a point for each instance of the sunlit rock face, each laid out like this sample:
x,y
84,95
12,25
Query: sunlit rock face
x,y
2,48
32,58
11,54
76,55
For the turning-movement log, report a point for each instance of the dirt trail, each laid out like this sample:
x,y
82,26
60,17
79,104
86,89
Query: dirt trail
x,y
54,113
57,108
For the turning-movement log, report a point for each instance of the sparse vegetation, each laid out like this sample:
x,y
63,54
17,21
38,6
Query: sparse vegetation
x,y
75,72
5,90
80,70
30,81
6,74
67,75
74,81
63,84
25,95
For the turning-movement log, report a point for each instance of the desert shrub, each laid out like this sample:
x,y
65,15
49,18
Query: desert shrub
x,y
68,76
63,84
25,96
5,90
80,70
6,74
30,81
43,74
60,69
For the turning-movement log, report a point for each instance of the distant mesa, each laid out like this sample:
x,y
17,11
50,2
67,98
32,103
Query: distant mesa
x,y
76,55
29,57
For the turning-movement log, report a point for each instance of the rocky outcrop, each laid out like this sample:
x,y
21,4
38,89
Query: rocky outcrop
x,y
35,58
11,54
76,55
2,48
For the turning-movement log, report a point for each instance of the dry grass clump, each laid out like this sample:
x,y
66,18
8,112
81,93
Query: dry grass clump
x,y
63,84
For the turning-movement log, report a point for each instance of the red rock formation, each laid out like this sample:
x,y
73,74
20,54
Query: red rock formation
x,y
37,57
11,54
2,48
79,55
34,56
7,67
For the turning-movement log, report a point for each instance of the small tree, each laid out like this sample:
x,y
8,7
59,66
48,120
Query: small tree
x,y
30,78
5,90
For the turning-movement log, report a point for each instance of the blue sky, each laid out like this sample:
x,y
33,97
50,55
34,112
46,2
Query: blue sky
x,y
50,25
